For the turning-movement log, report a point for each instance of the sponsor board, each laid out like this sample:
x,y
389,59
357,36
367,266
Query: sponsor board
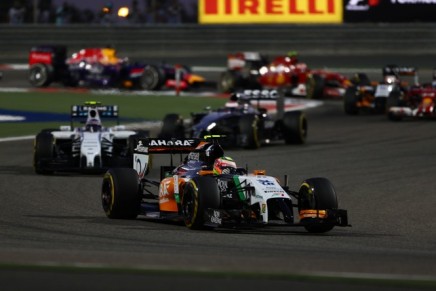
x,y
270,11
389,10
360,5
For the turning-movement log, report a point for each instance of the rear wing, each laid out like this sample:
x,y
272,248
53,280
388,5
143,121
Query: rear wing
x,y
166,146
248,96
81,112
144,147
255,95
399,70
402,71
54,55
237,61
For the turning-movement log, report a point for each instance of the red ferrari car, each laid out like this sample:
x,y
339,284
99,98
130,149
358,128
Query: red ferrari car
x,y
416,102
251,70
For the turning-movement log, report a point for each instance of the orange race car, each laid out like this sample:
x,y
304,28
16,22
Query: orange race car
x,y
372,96
208,190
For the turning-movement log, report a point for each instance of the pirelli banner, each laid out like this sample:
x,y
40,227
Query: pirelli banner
x,y
270,11
390,11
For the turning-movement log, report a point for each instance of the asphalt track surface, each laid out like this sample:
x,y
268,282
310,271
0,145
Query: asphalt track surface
x,y
54,234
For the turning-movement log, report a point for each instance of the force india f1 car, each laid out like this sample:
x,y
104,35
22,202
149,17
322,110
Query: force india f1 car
x,y
251,70
89,148
372,96
100,67
208,190
243,121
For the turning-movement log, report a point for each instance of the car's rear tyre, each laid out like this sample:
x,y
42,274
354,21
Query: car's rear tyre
x,y
317,195
152,78
172,127
315,87
40,75
294,127
120,194
249,131
199,194
380,105
350,101
393,101
43,151
360,79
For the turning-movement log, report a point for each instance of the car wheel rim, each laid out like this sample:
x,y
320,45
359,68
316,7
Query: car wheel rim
x,y
149,80
36,76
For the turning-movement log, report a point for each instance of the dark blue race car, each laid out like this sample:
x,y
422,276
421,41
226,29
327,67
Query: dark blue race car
x,y
243,122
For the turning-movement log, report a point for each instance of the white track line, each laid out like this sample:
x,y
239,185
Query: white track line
x,y
17,138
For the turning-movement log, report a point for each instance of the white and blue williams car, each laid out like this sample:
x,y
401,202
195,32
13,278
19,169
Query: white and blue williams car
x,y
90,147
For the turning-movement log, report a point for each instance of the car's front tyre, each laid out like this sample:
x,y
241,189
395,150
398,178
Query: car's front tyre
x,y
120,194
199,194
350,101
316,197
43,152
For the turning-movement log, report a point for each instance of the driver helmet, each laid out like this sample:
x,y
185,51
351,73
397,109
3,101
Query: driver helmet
x,y
208,152
293,55
224,165
390,79
93,125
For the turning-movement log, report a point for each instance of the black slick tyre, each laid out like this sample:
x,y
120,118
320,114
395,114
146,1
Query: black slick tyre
x,y
380,105
315,87
199,194
120,195
249,131
172,127
361,79
316,197
40,75
43,152
294,127
393,101
152,78
350,101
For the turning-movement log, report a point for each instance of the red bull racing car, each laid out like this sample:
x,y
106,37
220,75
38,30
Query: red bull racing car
x,y
102,68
